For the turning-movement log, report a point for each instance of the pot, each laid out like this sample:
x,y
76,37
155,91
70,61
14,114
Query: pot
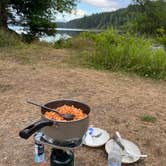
x,y
59,130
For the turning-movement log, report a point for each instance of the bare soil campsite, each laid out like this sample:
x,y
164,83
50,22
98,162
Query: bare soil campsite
x,y
132,105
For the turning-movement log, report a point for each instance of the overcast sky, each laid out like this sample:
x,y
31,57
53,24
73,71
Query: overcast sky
x,y
88,7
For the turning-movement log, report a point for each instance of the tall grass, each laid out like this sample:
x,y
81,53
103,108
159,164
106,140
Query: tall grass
x,y
8,39
82,41
129,53
162,41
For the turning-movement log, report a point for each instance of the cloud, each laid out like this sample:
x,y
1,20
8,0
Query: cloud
x,y
75,13
98,3
78,12
101,5
105,5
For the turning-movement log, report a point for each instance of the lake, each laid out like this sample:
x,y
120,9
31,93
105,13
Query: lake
x,y
62,33
65,33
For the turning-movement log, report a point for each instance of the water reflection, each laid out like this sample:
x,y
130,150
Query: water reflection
x,y
62,33
52,39
65,33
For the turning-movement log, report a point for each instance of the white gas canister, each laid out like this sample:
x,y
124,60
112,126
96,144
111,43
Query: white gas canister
x,y
39,148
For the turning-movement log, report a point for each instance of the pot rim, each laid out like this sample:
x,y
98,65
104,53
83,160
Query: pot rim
x,y
60,100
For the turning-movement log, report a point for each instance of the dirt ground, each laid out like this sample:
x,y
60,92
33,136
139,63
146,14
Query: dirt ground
x,y
117,102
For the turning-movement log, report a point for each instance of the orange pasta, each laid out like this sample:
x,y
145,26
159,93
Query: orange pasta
x,y
78,113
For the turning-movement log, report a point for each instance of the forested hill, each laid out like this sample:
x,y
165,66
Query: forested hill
x,y
115,19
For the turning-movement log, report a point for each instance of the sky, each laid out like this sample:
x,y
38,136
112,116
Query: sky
x,y
88,7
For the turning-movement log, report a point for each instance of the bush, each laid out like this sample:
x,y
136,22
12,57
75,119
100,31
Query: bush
x,y
83,41
162,40
62,43
127,53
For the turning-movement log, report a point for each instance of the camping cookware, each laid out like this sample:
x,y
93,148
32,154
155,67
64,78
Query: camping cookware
x,y
60,130
65,116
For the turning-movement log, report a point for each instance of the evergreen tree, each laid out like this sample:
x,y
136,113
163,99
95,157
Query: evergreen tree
x,y
35,15
152,16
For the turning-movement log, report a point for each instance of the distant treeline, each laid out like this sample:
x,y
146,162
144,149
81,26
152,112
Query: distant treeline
x,y
116,19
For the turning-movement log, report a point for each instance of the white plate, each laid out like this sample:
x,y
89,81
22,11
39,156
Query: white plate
x,y
130,146
97,141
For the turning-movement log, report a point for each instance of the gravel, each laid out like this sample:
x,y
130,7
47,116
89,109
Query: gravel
x,y
117,103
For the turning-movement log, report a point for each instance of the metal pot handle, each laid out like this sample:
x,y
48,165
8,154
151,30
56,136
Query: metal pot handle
x,y
28,131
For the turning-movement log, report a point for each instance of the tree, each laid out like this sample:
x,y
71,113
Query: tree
x,y
3,14
36,16
152,16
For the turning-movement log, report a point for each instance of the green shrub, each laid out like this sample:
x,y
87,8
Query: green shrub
x,y
129,53
162,40
83,41
62,43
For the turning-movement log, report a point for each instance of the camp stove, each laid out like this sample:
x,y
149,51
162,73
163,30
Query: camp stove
x,y
62,152
62,136
64,145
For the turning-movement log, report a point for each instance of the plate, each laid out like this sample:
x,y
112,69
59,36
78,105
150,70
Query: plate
x,y
130,146
99,139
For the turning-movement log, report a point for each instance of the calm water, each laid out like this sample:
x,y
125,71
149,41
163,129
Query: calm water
x,y
65,33
62,33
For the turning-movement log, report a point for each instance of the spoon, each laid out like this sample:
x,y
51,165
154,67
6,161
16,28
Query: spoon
x,y
127,153
117,138
65,116
136,156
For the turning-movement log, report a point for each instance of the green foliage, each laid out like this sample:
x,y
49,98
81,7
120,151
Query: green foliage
x,y
9,39
62,43
36,16
152,16
162,40
112,51
161,31
82,41
145,16
116,19
148,118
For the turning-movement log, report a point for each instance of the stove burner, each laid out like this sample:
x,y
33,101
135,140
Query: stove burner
x,y
68,144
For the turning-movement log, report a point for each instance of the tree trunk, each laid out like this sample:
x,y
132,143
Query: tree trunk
x,y
3,16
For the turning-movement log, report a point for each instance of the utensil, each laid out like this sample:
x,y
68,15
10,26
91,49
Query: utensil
x,y
118,139
60,131
118,142
65,116
142,155
131,146
115,138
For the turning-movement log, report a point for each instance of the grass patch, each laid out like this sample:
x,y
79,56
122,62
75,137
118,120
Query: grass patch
x,y
162,41
5,87
112,51
9,39
13,48
84,41
148,118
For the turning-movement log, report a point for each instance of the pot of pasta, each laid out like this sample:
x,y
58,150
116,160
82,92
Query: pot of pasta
x,y
57,128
